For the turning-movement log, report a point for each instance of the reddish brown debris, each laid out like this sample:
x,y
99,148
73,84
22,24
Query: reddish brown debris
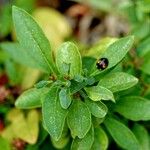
x,y
3,94
2,126
18,144
3,79
15,91
78,10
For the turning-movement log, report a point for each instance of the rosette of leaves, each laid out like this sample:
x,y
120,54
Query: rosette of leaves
x,y
78,100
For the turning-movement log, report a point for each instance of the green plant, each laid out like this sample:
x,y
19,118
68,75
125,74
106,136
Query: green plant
x,y
80,103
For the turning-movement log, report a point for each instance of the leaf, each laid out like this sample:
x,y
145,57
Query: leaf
x,y
64,139
98,109
33,40
4,144
8,133
118,81
19,54
53,114
97,93
26,129
79,119
142,136
28,5
42,84
145,64
115,52
30,98
121,134
61,143
5,20
100,139
85,143
144,47
68,59
76,86
13,72
56,29
134,108
31,75
100,47
65,98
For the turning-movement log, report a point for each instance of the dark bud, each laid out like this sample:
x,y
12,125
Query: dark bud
x,y
102,63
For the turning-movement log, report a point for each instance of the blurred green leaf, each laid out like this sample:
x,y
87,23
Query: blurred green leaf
x,y
79,119
5,20
19,54
122,134
27,5
13,71
98,109
145,63
56,29
141,30
68,59
142,135
134,108
97,93
100,139
32,38
61,143
4,144
53,114
144,47
118,81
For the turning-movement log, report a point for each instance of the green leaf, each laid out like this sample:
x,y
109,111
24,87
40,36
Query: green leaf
x,y
30,98
68,59
61,143
142,135
42,84
56,29
97,93
134,108
145,63
76,86
64,139
65,98
100,47
4,144
115,52
118,81
98,109
100,139
5,20
13,72
144,47
79,119
53,114
121,134
85,143
19,54
32,38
